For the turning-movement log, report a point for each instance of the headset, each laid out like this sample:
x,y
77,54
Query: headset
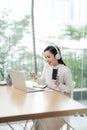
x,y
57,56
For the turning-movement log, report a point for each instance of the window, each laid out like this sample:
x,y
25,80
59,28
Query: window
x,y
61,22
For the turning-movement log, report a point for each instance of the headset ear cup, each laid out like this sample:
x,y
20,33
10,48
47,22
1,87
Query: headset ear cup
x,y
57,56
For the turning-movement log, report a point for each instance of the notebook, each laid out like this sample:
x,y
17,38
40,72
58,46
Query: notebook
x,y
18,81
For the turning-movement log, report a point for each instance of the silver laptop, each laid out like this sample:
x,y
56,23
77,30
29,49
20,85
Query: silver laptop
x,y
18,81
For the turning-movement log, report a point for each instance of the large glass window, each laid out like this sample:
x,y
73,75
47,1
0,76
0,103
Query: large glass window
x,y
16,44
27,27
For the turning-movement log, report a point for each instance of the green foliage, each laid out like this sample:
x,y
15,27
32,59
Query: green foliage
x,y
75,64
18,57
78,65
11,34
71,32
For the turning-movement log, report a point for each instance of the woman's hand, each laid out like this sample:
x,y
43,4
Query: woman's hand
x,y
33,75
57,82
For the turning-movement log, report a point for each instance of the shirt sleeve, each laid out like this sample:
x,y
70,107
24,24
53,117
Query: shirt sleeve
x,y
41,80
68,84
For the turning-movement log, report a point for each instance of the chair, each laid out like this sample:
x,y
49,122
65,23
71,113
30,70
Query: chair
x,y
76,123
73,122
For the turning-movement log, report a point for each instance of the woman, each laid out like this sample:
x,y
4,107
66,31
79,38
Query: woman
x,y
63,83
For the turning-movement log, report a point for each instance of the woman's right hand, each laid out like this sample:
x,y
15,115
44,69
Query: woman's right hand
x,y
57,82
33,75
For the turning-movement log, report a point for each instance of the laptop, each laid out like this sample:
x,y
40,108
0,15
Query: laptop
x,y
18,81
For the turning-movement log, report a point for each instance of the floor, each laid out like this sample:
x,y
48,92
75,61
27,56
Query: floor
x,y
20,126
15,126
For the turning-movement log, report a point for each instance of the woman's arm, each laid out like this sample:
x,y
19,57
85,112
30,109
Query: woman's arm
x,y
68,84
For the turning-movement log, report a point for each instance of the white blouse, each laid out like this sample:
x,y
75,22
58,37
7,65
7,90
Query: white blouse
x,y
65,78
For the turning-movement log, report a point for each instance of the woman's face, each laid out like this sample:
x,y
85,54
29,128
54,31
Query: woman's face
x,y
50,59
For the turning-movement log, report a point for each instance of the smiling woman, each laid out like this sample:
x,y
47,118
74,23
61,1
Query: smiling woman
x,y
63,82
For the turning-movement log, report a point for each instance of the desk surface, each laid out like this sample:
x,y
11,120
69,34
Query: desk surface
x,y
18,105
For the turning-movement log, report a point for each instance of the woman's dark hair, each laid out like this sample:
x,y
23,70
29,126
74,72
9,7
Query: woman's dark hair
x,y
54,50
